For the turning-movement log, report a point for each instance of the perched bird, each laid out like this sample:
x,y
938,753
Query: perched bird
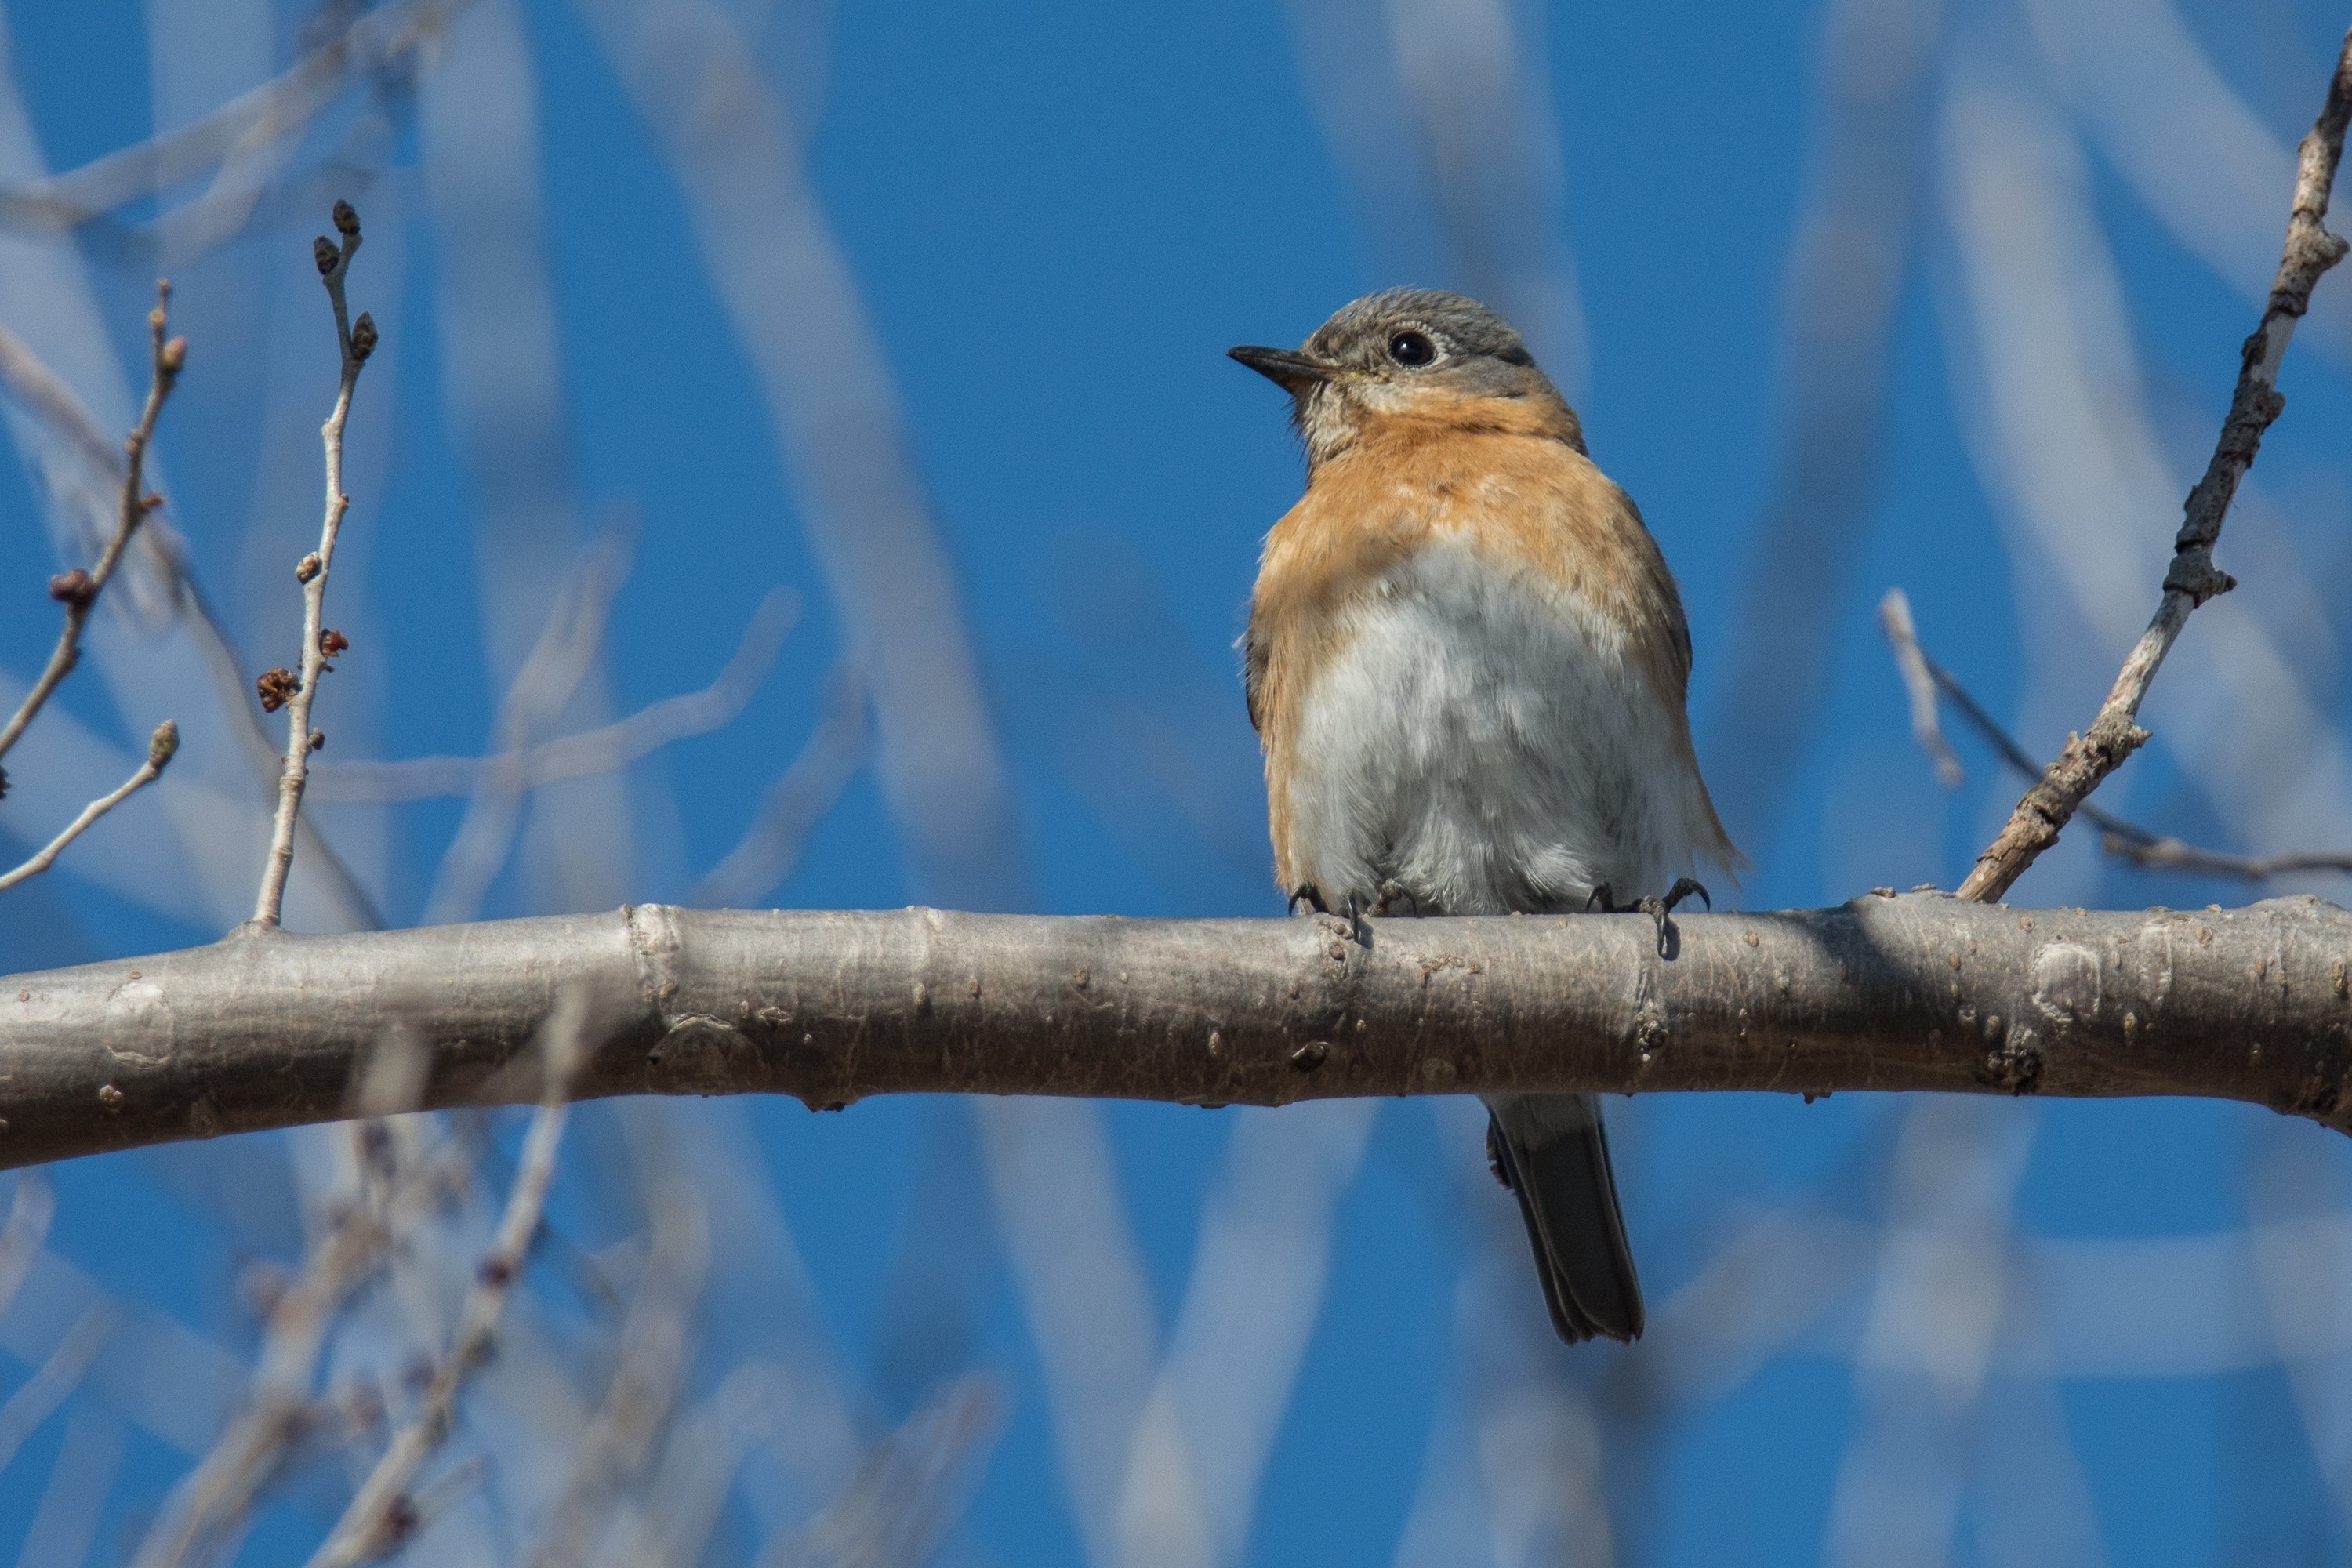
x,y
1467,661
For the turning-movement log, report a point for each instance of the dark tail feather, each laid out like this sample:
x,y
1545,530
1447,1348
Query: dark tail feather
x,y
1553,1153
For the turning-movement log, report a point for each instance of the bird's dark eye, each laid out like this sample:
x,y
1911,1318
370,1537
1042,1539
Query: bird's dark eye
x,y
1411,348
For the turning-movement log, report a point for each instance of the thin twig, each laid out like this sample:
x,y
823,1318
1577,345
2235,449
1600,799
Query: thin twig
x,y
161,747
394,1197
357,341
1857,242
644,1385
2124,840
2039,817
2141,848
789,290
43,1392
228,204
79,590
216,1497
30,1211
1918,684
907,1498
796,801
282,107
45,393
569,643
66,1520
385,1514
446,1491
678,1504
607,749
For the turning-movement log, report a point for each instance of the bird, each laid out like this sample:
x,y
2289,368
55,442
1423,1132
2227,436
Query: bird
x,y
1467,665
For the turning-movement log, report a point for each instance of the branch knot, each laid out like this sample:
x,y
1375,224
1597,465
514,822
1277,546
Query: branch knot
x,y
2193,573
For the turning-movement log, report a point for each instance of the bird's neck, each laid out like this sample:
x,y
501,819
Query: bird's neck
x,y
1361,430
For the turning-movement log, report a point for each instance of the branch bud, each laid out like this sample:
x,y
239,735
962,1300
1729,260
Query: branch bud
x,y
163,745
73,587
274,687
363,337
323,252
307,567
333,642
174,357
318,739
346,219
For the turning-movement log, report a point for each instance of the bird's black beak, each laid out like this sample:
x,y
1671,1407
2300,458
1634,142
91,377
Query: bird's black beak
x,y
1292,371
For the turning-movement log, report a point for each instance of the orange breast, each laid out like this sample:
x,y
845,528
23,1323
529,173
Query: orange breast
x,y
1491,475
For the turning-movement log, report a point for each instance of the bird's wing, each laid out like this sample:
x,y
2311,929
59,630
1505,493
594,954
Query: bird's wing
x,y
1254,656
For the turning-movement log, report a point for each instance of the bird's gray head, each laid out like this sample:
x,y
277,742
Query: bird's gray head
x,y
1409,352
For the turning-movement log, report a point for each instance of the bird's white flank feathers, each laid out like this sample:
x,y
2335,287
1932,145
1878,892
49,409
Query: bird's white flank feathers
x,y
1483,743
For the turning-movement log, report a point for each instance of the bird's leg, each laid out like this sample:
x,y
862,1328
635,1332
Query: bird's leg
x,y
1659,909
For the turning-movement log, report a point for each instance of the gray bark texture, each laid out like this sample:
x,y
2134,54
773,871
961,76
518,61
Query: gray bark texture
x,y
1914,991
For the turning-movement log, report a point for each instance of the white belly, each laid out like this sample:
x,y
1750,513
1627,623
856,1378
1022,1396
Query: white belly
x,y
1482,745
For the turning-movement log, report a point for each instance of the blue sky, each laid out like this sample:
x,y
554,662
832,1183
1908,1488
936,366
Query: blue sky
x,y
1057,218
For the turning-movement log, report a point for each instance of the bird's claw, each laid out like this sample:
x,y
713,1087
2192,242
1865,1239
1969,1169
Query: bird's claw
x,y
1657,909
1359,930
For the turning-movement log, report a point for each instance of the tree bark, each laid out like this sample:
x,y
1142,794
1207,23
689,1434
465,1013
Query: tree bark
x,y
1915,992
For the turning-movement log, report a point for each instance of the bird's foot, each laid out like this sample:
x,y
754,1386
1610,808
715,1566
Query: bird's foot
x,y
1359,930
1657,909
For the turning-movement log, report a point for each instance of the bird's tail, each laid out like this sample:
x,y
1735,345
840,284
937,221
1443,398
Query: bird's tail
x,y
1553,1153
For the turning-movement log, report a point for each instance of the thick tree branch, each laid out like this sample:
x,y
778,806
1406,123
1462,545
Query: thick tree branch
x,y
1918,991
2045,809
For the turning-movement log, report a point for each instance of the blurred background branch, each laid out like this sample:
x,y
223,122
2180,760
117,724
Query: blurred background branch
x,y
1853,255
